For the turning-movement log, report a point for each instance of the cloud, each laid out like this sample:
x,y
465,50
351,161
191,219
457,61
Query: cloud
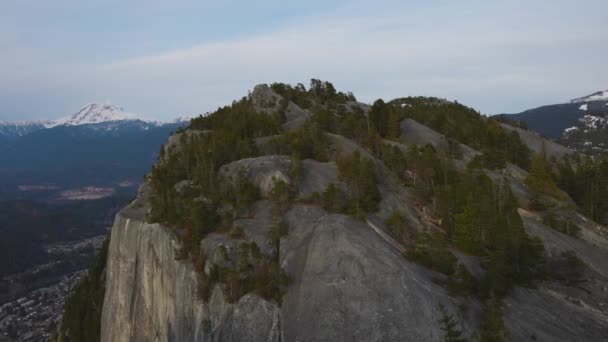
x,y
474,54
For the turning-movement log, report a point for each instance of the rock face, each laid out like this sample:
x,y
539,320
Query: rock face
x,y
153,297
347,283
265,99
350,285
538,144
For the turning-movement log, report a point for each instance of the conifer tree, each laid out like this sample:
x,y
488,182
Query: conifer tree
x,y
449,326
393,125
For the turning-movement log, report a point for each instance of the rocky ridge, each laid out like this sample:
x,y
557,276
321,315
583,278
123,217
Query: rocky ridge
x,y
348,281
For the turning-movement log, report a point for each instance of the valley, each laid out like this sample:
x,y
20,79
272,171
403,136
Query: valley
x,y
57,203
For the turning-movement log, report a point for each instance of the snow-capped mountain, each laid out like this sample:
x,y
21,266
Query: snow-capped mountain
x,y
597,96
94,113
100,145
98,116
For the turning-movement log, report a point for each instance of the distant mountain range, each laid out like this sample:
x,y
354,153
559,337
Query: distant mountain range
x,y
552,120
580,124
90,114
99,146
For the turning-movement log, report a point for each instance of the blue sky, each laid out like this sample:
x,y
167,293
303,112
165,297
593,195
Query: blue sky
x,y
163,59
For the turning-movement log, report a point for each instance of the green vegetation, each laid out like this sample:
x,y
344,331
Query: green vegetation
x,y
540,179
504,118
431,250
307,142
189,196
358,192
472,213
82,311
466,126
479,218
251,272
492,327
447,323
399,228
359,175
562,225
586,181
319,93
334,199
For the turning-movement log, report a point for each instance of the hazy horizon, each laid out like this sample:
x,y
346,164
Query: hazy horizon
x,y
166,60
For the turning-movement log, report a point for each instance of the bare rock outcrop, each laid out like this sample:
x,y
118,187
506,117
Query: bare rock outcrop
x,y
265,100
538,144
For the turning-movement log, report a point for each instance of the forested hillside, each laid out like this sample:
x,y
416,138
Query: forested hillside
x,y
452,190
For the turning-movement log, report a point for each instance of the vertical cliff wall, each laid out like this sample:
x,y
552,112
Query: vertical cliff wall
x,y
150,296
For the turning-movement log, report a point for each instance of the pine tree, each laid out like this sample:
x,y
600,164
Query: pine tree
x,y
449,326
393,130
378,116
466,232
539,179
492,326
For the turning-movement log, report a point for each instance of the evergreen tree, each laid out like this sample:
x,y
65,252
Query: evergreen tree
x,y
540,179
449,326
379,117
393,130
359,175
492,327
467,234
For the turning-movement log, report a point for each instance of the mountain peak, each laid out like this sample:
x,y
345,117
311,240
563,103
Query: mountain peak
x,y
597,96
97,113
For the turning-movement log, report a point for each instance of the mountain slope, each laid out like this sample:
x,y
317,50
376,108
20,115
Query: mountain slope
x,y
12,130
550,120
261,226
589,135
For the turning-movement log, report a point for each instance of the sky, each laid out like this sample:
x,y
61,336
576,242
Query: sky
x,y
164,59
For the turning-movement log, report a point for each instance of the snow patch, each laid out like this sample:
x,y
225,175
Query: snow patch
x,y
583,107
571,129
597,96
591,122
